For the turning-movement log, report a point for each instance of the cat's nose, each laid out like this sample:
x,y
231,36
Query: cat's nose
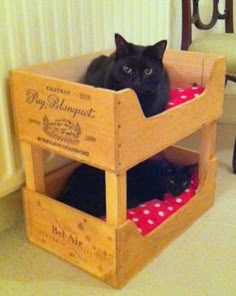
x,y
138,81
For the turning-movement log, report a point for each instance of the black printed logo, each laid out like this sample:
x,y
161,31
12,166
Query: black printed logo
x,y
62,130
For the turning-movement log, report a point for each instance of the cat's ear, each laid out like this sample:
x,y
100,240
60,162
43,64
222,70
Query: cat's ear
x,y
122,46
157,50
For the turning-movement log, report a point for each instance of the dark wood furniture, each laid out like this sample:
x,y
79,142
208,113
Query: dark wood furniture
x,y
191,17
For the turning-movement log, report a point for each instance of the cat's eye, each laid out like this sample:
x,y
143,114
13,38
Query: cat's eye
x,y
127,69
172,181
148,71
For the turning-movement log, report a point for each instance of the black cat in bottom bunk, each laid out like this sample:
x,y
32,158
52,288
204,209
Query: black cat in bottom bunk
x,y
137,67
85,189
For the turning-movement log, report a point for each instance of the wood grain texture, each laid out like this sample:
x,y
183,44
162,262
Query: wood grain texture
x,y
85,241
181,155
115,198
70,119
34,171
206,148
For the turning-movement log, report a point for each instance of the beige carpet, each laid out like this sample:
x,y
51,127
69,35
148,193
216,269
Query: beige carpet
x,y
201,262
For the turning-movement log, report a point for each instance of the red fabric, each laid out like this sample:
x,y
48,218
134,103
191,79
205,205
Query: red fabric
x,y
182,95
149,215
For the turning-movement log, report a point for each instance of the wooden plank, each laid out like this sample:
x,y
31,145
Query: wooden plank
x,y
206,148
210,63
115,198
84,241
70,119
181,155
184,68
71,69
33,164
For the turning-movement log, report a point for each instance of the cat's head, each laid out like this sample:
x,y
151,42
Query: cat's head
x,y
138,67
178,177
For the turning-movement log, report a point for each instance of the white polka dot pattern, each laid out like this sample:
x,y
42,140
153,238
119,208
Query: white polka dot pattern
x,y
146,212
178,200
181,95
161,214
135,219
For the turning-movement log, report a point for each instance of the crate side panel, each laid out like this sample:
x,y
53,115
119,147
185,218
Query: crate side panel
x,y
72,235
209,63
72,69
70,119
135,251
181,155
141,138
161,131
184,68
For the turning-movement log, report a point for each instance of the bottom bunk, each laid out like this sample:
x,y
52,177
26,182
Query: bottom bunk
x,y
113,254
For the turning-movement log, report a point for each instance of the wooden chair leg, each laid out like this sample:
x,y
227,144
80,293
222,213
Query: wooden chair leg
x,y
115,198
234,157
34,172
207,148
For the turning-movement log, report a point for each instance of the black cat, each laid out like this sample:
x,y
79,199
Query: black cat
x,y
137,67
85,189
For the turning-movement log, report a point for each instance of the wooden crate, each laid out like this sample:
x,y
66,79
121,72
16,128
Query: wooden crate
x,y
108,130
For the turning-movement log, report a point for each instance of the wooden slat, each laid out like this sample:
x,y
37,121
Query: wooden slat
x,y
184,68
70,119
85,241
181,155
72,69
210,62
206,148
34,171
115,198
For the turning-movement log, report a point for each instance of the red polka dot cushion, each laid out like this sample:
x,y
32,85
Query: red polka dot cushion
x,y
149,215
182,95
